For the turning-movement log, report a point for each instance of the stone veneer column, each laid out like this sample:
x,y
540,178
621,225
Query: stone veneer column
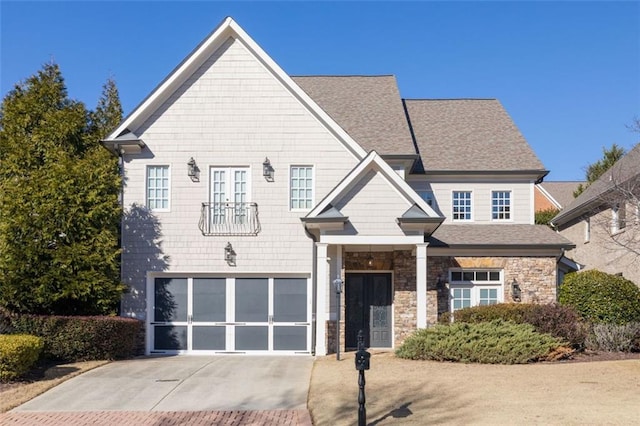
x,y
421,284
321,298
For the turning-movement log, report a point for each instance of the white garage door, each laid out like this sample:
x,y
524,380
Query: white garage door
x,y
230,315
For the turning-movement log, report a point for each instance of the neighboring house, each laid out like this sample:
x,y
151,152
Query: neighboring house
x,y
248,193
554,195
603,221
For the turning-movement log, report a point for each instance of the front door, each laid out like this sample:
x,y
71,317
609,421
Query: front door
x,y
368,308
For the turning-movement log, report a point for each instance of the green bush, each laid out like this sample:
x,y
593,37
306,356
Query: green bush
x,y
18,353
559,321
73,339
495,342
615,338
601,297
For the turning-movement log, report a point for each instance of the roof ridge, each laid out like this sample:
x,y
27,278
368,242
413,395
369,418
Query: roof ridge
x,y
449,99
342,75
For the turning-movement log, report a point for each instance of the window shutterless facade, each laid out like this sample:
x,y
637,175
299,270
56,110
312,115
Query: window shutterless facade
x,y
501,205
158,188
301,187
461,202
474,287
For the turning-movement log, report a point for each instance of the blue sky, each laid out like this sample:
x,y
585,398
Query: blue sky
x,y
567,72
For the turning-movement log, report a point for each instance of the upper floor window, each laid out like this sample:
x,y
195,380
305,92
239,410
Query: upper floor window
x,y
461,205
427,196
158,187
301,187
501,205
618,217
587,230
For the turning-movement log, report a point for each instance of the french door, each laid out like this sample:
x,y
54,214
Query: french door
x,y
230,315
229,194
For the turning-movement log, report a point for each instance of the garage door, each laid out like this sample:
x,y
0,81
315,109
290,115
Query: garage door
x,y
230,315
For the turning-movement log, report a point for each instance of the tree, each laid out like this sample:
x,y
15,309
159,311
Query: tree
x,y
597,169
59,211
543,217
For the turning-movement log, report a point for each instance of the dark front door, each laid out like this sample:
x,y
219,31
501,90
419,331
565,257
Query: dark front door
x,y
368,308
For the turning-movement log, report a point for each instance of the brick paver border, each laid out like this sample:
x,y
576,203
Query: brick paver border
x,y
156,418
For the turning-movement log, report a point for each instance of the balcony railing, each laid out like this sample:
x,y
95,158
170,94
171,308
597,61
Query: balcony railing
x,y
229,219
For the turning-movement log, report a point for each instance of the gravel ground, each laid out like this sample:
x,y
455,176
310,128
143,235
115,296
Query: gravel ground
x,y
424,392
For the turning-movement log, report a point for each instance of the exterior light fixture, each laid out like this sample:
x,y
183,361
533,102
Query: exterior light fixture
x,y
337,285
230,255
516,291
370,259
193,171
267,170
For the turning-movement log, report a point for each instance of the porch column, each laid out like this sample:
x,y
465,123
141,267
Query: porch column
x,y
421,284
321,298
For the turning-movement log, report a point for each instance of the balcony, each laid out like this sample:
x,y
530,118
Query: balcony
x,y
229,219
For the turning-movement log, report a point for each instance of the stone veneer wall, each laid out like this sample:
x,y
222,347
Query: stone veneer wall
x,y
535,275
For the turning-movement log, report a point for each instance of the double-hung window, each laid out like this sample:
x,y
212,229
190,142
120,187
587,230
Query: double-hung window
x,y
158,188
301,188
461,206
470,287
501,205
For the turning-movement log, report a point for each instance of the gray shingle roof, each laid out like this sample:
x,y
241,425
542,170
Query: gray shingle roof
x,y
368,108
623,171
469,134
562,192
495,236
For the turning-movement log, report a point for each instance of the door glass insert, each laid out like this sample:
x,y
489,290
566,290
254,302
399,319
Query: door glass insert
x,y
252,300
289,338
290,300
209,299
252,338
170,300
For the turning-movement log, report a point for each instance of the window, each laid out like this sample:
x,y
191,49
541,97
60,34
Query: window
x,y
461,205
427,196
158,187
618,218
501,205
474,287
301,188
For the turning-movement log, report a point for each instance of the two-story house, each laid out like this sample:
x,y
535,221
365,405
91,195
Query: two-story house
x,y
604,221
248,194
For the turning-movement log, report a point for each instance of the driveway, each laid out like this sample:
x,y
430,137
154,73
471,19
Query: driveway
x,y
184,383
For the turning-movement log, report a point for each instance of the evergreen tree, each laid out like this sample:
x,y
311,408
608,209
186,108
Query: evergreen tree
x,y
597,169
59,212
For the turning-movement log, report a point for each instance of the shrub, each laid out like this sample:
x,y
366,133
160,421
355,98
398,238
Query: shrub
x,y
559,321
82,338
18,353
5,321
495,342
601,297
615,338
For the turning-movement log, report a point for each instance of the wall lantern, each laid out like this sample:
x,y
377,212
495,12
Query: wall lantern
x,y
267,170
516,292
193,171
230,255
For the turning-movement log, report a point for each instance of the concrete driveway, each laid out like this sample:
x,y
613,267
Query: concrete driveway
x,y
184,383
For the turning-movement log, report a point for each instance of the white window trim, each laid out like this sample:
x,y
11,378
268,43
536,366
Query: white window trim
x,y
618,221
475,286
587,230
313,187
511,204
471,207
146,187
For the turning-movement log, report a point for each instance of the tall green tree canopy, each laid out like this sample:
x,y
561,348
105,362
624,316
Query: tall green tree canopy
x,y
597,169
59,211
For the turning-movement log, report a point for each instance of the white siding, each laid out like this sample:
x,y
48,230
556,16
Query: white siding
x,y
521,204
231,112
373,206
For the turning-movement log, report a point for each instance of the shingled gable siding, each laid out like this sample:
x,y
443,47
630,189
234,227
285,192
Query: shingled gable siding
x,y
536,276
231,112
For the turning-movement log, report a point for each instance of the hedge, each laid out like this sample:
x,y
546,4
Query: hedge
x,y
70,338
18,353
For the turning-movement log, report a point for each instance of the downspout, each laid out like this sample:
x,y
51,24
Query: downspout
x,y
314,286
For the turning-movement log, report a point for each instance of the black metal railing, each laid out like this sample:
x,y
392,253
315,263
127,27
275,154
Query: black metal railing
x,y
229,219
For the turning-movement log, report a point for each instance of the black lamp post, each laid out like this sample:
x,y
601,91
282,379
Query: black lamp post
x,y
337,285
